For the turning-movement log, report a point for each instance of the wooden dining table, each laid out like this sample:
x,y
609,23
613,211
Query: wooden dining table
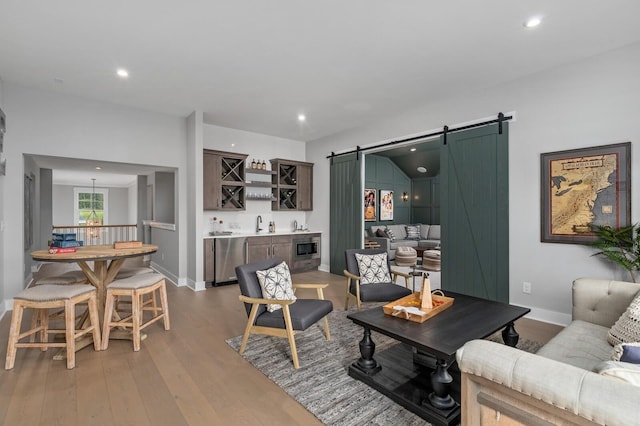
x,y
107,262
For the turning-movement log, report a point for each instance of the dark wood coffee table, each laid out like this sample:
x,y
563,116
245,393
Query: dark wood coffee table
x,y
416,373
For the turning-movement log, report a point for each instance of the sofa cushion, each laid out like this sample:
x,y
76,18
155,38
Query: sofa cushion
x,y
402,243
429,244
581,344
380,233
434,232
424,231
373,231
413,232
399,231
627,328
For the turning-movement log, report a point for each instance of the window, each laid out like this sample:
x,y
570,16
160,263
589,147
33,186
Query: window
x,y
85,201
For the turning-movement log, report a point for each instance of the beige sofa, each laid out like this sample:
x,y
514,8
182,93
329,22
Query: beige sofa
x,y
504,385
429,237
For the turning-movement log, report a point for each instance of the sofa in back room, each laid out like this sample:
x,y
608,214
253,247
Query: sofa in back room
x,y
427,236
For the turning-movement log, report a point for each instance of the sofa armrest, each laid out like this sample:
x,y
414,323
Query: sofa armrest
x,y
530,386
601,301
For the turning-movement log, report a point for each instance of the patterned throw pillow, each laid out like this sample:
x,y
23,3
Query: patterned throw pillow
x,y
413,232
390,234
380,233
627,352
276,284
373,268
627,328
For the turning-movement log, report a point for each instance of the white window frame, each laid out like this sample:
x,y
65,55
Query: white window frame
x,y
76,211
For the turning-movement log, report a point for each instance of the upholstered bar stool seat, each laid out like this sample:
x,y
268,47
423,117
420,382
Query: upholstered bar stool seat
x,y
41,299
135,287
71,277
129,271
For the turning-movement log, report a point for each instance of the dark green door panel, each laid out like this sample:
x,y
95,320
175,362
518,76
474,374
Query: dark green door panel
x,y
345,209
475,213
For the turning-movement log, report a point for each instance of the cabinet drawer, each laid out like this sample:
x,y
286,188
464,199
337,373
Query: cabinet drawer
x,y
306,265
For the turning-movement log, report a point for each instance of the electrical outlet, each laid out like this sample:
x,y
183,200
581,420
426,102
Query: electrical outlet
x,y
526,287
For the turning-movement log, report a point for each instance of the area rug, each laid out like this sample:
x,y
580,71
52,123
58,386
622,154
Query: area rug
x,y
322,384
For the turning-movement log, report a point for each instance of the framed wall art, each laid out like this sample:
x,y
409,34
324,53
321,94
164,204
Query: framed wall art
x,y
386,205
370,205
584,187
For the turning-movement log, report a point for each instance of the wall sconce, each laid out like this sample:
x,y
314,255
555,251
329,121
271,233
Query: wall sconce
x,y
405,196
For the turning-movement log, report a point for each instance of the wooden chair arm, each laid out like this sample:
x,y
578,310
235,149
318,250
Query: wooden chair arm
x,y
318,288
402,274
350,275
260,301
310,285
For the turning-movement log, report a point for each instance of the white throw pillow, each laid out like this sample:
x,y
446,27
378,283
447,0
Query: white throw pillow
x,y
276,284
373,268
627,328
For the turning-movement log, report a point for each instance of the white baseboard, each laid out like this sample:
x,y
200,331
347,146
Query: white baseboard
x,y
182,282
175,280
324,268
546,315
195,285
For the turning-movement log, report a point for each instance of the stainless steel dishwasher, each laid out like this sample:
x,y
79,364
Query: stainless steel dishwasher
x,y
227,254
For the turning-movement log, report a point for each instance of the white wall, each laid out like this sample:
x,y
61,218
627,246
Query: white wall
x,y
55,124
257,146
132,203
593,102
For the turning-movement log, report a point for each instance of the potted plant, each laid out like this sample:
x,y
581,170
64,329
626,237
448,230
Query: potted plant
x,y
621,246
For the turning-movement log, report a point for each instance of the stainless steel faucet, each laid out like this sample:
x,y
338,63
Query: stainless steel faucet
x,y
258,222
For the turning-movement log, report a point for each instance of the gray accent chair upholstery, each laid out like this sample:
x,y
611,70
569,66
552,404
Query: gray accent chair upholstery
x,y
378,292
294,316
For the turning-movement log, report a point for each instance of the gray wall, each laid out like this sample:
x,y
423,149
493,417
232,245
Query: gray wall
x,y
56,124
164,197
588,103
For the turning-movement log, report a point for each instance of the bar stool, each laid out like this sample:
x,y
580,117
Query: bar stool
x,y
41,299
135,287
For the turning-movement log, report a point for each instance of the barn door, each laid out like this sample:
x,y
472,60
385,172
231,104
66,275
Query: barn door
x,y
345,208
475,212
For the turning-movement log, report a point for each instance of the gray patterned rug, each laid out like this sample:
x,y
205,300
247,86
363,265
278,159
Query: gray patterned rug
x,y
322,384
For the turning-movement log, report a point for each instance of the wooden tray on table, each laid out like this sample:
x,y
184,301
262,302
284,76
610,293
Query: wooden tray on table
x,y
413,302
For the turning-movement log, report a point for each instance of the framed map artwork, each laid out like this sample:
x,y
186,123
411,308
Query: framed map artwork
x,y
584,187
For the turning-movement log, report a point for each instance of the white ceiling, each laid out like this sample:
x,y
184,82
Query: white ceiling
x,y
255,64
75,171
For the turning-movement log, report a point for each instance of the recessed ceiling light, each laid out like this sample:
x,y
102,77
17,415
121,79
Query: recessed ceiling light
x,y
122,73
422,169
98,168
302,118
532,22
413,149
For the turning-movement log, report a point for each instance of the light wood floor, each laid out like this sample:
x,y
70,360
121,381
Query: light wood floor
x,y
186,376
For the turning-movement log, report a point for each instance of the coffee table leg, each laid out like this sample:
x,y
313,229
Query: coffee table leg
x,y
366,363
510,336
441,384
